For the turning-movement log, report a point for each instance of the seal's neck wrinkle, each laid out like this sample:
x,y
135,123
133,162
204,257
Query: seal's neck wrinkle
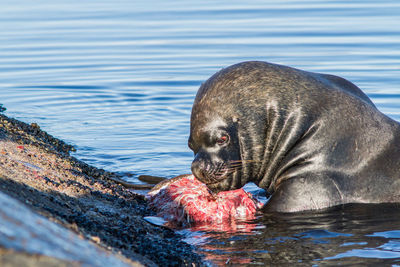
x,y
285,129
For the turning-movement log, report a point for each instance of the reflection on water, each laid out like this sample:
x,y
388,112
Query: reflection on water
x,y
117,79
348,235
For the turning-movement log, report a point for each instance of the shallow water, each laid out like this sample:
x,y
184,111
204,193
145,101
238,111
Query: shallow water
x,y
117,80
350,235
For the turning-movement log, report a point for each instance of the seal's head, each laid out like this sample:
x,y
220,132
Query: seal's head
x,y
221,123
217,160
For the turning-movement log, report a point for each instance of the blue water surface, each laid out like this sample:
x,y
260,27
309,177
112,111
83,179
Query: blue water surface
x,y
117,80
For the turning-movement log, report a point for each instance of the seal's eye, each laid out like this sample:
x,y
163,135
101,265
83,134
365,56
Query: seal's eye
x,y
223,139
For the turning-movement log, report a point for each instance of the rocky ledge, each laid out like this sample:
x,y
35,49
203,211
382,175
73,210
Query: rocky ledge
x,y
59,211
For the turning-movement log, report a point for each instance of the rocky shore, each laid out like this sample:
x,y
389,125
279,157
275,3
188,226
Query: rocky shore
x,y
58,211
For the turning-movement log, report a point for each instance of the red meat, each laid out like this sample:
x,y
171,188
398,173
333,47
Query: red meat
x,y
184,199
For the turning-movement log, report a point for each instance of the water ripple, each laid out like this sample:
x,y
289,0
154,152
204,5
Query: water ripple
x,y
117,78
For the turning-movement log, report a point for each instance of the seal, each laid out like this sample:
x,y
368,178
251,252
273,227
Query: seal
x,y
311,140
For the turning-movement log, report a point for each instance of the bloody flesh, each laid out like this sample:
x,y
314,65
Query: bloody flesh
x,y
184,199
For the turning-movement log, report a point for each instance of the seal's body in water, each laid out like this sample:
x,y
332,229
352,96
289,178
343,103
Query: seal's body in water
x,y
311,140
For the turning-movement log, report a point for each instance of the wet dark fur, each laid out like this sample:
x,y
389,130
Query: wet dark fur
x,y
311,140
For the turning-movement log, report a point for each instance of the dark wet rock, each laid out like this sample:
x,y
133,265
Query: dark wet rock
x,y
24,133
28,239
38,170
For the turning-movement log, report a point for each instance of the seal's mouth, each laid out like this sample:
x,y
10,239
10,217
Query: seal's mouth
x,y
212,178
222,182
214,188
209,182
216,184
218,176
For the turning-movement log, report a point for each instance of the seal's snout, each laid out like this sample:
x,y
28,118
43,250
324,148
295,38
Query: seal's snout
x,y
198,168
202,167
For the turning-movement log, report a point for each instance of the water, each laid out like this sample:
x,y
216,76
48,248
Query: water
x,y
351,236
117,80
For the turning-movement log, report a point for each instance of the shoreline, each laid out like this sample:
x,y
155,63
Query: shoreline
x,y
37,170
